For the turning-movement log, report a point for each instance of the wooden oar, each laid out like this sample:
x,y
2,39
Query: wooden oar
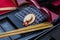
x,y
27,29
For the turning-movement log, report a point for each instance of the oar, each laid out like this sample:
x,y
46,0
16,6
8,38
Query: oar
x,y
27,29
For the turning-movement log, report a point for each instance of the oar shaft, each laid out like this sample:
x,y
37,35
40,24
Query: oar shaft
x,y
27,29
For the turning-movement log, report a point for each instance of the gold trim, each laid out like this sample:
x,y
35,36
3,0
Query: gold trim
x,y
7,8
